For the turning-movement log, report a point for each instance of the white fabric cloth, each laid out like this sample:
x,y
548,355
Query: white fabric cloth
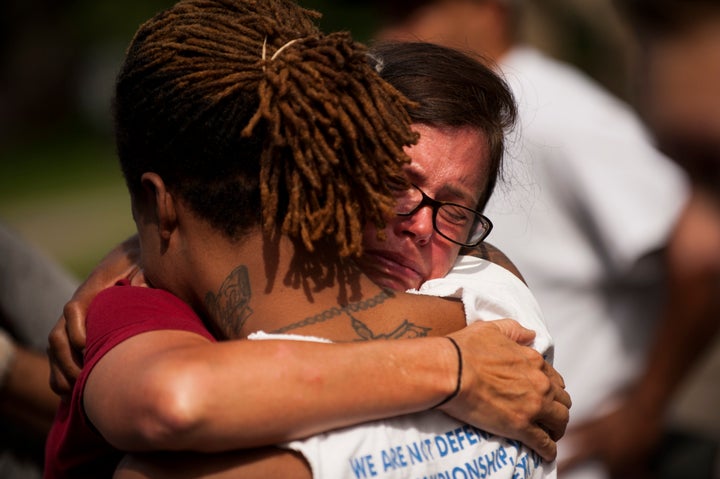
x,y
432,444
585,197
489,292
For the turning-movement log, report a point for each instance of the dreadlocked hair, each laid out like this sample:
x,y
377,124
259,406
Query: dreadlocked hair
x,y
254,117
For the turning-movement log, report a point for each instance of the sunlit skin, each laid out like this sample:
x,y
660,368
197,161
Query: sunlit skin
x,y
448,164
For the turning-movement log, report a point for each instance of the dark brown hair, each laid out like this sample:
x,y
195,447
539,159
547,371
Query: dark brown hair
x,y
450,89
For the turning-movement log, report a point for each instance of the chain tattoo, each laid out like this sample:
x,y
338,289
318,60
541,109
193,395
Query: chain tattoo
x,y
230,307
405,330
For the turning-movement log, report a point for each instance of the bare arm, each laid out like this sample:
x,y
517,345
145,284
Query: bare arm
x,y
493,254
24,396
689,323
687,326
255,464
535,402
196,394
248,464
67,339
189,402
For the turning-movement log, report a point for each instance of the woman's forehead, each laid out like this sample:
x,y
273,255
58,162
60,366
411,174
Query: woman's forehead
x,y
449,160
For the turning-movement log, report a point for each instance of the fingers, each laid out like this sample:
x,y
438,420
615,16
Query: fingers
x,y
563,397
549,423
67,339
555,414
509,389
554,420
74,314
557,384
66,343
63,367
554,376
137,278
514,331
537,439
550,418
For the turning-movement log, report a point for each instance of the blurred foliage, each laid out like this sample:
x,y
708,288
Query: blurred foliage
x,y
60,185
54,161
46,145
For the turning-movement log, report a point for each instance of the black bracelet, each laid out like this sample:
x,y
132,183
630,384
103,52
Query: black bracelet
x,y
459,375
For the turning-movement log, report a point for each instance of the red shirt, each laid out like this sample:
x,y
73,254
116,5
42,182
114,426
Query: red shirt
x,y
74,448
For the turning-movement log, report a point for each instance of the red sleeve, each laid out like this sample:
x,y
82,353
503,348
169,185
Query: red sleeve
x,y
124,311
74,448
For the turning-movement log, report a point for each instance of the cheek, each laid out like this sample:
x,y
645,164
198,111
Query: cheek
x,y
444,255
369,238
370,235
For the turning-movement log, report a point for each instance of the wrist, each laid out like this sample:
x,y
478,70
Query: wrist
x,y
423,373
7,356
458,375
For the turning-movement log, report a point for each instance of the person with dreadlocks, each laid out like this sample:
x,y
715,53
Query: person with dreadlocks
x,y
462,110
300,137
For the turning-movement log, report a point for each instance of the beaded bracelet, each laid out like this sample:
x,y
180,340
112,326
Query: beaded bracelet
x,y
458,384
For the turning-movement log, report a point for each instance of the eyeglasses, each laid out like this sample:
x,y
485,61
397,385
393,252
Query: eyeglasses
x,y
455,223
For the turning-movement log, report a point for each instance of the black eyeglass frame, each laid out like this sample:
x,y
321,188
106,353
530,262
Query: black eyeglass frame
x,y
436,205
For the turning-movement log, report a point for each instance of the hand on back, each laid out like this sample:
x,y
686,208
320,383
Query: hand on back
x,y
508,389
67,338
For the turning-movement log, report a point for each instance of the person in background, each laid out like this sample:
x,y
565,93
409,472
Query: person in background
x,y
590,211
678,90
33,290
676,81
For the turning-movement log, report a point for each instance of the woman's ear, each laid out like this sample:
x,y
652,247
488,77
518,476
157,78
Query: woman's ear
x,y
163,203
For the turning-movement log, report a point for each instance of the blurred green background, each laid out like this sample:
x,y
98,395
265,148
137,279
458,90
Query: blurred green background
x,y
60,186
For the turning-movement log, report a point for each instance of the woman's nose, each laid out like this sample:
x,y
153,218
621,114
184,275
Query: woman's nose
x,y
419,225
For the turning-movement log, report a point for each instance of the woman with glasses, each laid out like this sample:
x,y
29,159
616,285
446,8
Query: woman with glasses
x,y
452,173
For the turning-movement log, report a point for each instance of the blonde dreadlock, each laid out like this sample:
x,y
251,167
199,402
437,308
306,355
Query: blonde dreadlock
x,y
269,102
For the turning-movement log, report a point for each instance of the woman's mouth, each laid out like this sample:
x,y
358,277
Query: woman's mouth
x,y
391,270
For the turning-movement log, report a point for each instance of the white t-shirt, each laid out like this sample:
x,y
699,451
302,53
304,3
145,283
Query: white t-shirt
x,y
585,197
432,444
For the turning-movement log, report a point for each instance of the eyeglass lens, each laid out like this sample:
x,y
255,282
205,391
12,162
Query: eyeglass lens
x,y
455,222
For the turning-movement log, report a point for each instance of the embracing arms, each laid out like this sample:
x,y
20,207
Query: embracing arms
x,y
212,397
506,388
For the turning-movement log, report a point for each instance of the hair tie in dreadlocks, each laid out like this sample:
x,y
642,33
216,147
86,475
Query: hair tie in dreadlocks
x,y
282,48
277,52
335,137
